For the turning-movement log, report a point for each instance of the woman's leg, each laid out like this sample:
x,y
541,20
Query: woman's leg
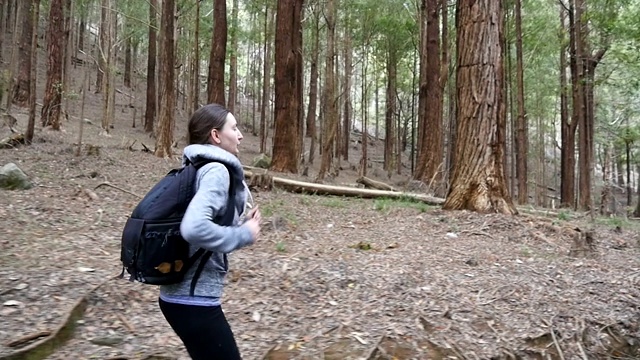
x,y
204,330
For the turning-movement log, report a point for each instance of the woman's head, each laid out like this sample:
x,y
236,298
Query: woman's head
x,y
214,124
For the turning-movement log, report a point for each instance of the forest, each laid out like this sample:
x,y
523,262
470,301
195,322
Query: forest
x,y
510,128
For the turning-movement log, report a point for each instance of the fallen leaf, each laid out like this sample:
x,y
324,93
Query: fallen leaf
x,y
86,269
256,316
12,303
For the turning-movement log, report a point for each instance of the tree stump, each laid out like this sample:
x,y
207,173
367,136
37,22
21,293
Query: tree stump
x,y
584,244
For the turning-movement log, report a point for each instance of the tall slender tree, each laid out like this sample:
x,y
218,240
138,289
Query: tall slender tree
x,y
478,176
150,108
164,135
330,110
233,58
521,142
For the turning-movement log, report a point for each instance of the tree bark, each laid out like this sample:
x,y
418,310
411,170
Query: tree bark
x,y
288,77
346,130
33,71
521,142
22,84
390,108
101,48
568,132
215,83
51,104
330,111
108,70
313,88
429,166
150,108
266,85
166,121
478,177
233,59
127,63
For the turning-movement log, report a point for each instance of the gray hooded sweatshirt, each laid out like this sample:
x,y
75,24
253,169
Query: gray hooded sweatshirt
x,y
200,231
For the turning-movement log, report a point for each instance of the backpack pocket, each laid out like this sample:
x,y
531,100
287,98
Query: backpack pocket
x,y
157,253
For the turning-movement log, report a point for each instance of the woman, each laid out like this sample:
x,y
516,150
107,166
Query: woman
x,y
198,320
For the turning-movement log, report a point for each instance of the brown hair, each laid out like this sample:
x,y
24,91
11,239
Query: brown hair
x,y
205,119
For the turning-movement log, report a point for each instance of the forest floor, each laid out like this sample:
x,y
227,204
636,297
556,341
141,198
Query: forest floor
x,y
330,278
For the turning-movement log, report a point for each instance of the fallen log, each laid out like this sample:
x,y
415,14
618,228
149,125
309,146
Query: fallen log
x,y
12,141
373,184
321,189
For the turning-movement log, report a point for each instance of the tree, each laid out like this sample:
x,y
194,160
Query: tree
x,y
22,85
288,86
478,176
215,83
521,143
429,167
150,108
51,104
35,13
330,111
164,134
233,59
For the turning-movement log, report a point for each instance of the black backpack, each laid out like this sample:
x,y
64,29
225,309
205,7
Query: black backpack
x,y
152,249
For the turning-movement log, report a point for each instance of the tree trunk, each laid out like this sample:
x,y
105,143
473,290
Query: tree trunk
x,y
390,124
605,195
108,69
215,83
364,162
196,63
347,96
288,102
3,29
313,88
52,102
330,112
33,69
150,108
429,167
127,63
266,85
478,177
568,155
166,120
522,146
233,59
101,48
22,84
636,212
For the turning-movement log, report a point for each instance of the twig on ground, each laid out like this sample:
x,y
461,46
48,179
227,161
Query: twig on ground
x,y
27,338
106,183
555,341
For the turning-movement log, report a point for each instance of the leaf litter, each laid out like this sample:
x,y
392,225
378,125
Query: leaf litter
x,y
336,280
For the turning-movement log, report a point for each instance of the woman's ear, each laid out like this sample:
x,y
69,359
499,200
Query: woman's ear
x,y
215,136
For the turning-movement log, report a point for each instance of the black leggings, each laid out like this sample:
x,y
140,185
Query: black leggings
x,y
204,331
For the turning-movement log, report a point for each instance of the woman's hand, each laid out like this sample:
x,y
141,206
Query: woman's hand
x,y
253,223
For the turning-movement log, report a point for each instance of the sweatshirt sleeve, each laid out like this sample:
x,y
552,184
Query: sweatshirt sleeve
x,y
197,225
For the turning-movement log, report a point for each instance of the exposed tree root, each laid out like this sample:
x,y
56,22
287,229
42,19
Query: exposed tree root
x,y
58,337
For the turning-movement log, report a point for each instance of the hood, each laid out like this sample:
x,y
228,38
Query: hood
x,y
199,152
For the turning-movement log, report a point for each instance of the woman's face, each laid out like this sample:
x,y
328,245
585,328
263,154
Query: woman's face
x,y
229,136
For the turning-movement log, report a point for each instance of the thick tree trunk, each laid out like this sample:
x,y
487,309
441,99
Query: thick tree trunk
x,y
195,97
22,84
215,83
102,49
150,108
288,101
166,121
478,178
52,102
